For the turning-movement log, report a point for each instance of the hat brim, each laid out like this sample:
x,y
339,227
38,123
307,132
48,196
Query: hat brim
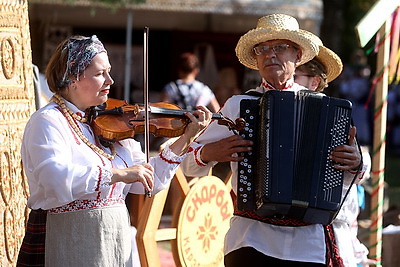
x,y
244,47
331,61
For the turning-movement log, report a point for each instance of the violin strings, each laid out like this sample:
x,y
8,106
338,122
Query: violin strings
x,y
167,111
70,116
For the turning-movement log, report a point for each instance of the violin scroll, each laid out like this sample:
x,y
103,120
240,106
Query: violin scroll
x,y
238,125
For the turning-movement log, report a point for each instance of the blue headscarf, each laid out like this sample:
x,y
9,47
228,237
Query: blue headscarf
x,y
81,51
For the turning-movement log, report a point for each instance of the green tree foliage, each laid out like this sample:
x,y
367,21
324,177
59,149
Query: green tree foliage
x,y
338,26
354,11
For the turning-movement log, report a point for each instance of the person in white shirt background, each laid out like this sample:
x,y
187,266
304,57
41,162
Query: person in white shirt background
x,y
187,92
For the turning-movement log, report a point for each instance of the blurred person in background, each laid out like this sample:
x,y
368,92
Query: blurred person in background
x,y
186,91
354,85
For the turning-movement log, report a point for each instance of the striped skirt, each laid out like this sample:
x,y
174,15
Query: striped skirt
x,y
32,249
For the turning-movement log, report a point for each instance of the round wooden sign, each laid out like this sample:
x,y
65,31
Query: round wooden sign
x,y
203,223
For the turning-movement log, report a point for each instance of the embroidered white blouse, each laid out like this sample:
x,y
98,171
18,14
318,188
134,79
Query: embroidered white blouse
x,y
65,174
304,243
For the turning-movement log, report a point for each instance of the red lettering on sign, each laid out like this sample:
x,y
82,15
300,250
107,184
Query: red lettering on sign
x,y
204,194
208,194
190,214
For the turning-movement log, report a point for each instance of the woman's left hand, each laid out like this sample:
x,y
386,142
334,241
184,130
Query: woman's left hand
x,y
348,156
199,119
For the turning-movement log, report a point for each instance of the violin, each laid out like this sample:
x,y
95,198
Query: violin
x,y
117,120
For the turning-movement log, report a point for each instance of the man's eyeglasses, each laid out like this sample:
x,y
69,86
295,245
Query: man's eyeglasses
x,y
265,49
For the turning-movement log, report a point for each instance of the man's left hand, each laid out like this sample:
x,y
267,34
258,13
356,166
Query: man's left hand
x,y
347,157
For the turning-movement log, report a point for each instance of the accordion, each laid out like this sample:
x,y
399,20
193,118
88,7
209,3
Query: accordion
x,y
288,173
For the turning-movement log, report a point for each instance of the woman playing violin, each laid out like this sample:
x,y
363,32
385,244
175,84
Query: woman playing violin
x,y
76,182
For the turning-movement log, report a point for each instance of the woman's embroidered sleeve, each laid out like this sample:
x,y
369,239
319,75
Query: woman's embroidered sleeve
x,y
168,156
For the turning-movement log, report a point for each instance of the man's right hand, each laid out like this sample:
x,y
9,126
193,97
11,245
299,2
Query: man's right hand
x,y
226,149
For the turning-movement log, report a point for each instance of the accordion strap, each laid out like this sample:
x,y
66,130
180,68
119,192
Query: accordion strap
x,y
254,93
355,175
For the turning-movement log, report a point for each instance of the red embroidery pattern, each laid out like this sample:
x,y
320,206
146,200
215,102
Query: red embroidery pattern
x,y
252,215
266,85
126,164
197,155
99,180
333,258
88,204
281,222
168,160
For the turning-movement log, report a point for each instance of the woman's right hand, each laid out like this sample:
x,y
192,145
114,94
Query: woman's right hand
x,y
143,173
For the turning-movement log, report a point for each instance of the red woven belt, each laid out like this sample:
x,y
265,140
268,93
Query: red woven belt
x,y
281,221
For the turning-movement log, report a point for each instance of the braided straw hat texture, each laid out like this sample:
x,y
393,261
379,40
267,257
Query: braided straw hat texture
x,y
331,61
273,27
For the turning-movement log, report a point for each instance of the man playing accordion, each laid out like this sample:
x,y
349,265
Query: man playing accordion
x,y
275,48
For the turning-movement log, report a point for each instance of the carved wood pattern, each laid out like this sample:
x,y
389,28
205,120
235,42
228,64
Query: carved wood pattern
x,y
16,106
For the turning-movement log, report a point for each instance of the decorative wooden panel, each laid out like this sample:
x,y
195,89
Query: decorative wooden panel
x,y
16,105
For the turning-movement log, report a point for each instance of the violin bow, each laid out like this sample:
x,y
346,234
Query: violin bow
x,y
146,98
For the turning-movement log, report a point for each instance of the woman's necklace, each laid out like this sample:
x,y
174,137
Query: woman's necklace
x,y
70,115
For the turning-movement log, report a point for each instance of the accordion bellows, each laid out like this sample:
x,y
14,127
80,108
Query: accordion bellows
x,y
289,174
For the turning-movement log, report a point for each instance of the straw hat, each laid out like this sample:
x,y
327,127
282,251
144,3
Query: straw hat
x,y
273,27
332,62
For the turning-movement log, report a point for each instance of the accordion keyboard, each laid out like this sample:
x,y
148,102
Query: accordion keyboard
x,y
245,188
289,172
